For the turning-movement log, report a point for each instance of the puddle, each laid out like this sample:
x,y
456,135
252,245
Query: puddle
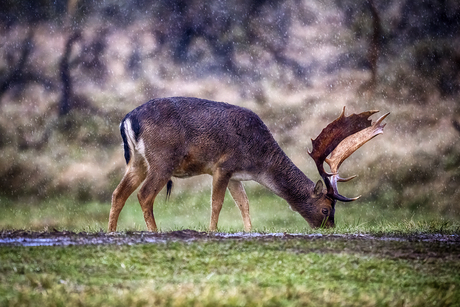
x,y
33,242
66,238
249,235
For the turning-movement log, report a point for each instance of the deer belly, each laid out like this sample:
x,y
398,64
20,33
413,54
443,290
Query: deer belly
x,y
190,171
190,166
242,176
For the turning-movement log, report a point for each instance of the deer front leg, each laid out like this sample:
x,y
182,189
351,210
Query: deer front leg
x,y
241,200
219,186
131,180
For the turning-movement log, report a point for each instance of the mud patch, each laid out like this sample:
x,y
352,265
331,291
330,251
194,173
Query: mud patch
x,y
420,247
55,237
63,238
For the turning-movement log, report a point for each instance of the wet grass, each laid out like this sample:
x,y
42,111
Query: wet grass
x,y
277,272
321,271
191,211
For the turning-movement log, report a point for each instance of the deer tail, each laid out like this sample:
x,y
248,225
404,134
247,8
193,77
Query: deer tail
x,y
169,186
130,131
125,142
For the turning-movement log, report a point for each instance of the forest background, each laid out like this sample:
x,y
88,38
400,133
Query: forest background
x,y
70,71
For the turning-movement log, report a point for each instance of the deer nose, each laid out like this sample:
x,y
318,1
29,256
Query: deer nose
x,y
329,223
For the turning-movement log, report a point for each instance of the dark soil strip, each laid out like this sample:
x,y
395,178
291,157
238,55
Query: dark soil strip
x,y
422,247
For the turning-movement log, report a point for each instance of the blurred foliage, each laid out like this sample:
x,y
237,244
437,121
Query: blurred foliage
x,y
197,32
70,70
425,35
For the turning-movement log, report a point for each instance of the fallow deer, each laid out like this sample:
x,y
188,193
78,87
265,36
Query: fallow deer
x,y
183,137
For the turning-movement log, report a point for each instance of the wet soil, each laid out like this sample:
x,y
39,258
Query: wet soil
x,y
406,246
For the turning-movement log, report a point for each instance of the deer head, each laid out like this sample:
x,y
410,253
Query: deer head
x,y
340,139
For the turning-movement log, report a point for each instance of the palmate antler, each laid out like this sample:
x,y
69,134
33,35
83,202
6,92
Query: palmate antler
x,y
340,139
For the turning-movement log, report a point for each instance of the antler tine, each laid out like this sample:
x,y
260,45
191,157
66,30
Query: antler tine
x,y
340,139
339,179
334,192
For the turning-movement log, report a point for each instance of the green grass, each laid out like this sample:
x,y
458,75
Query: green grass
x,y
269,213
321,271
232,273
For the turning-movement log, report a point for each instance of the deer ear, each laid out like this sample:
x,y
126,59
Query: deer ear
x,y
318,189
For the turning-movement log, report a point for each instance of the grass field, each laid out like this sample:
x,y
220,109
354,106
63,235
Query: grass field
x,y
277,272
187,210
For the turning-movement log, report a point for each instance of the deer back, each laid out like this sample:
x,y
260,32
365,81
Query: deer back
x,y
199,135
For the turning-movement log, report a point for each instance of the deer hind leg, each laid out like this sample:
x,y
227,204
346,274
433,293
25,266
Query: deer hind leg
x,y
146,196
241,200
131,180
219,186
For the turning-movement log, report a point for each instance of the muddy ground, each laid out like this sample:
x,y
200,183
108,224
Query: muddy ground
x,y
413,246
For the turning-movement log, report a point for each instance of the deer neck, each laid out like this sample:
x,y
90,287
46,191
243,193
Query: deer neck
x,y
286,180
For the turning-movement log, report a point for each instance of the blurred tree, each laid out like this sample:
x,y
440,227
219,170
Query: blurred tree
x,y
425,31
374,51
456,125
192,31
19,72
364,19
429,18
65,103
428,28
30,11
226,27
89,58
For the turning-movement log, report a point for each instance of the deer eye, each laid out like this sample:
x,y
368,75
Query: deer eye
x,y
324,211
